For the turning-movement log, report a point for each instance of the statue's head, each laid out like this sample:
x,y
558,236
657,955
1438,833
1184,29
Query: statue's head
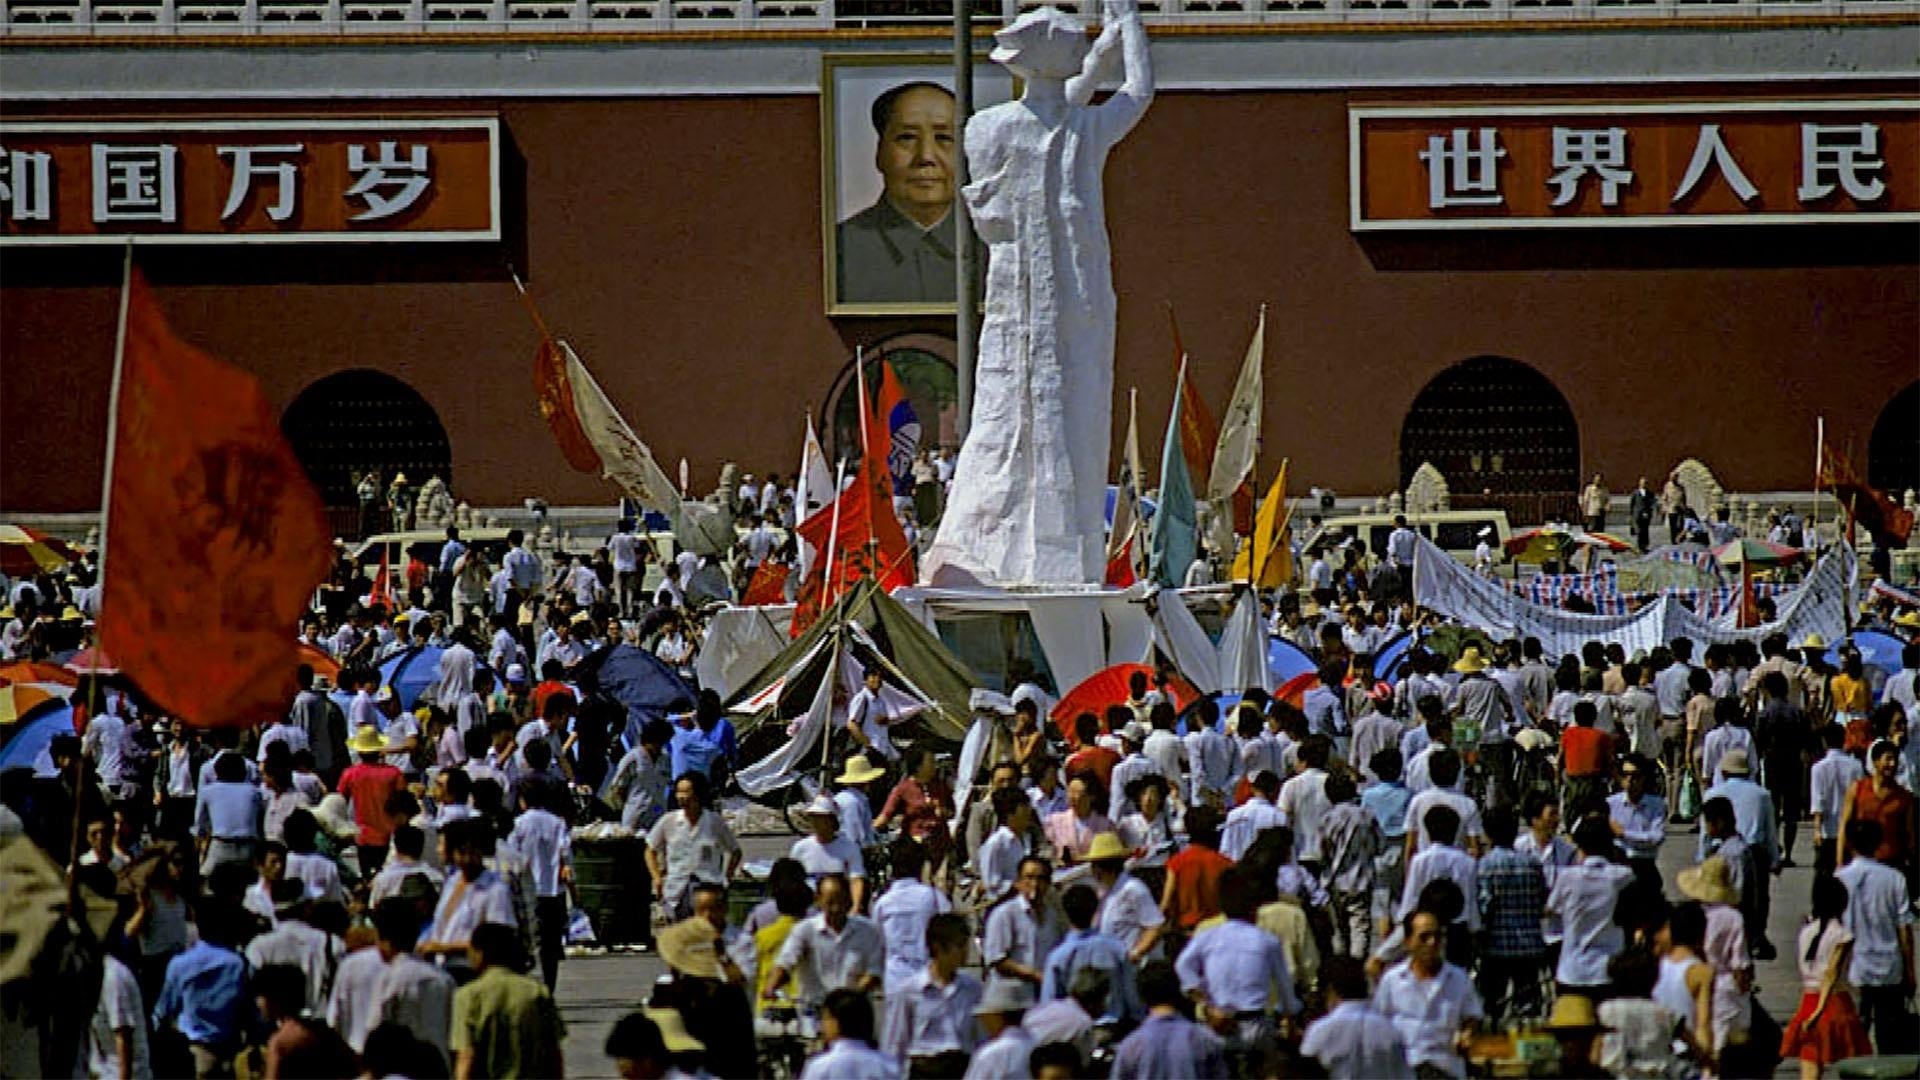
x,y
1046,43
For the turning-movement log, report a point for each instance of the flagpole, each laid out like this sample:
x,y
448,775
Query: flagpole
x,y
106,531
526,298
827,569
1819,469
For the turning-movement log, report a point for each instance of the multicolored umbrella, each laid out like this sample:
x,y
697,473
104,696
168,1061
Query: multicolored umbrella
x,y
19,699
25,552
1556,543
1759,554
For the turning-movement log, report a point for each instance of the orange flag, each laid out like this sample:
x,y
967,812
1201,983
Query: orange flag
x,y
215,535
1200,433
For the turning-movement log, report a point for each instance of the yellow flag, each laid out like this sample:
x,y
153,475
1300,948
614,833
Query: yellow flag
x,y
1267,559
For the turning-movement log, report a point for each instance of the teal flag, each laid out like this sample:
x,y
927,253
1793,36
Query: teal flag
x,y
1176,531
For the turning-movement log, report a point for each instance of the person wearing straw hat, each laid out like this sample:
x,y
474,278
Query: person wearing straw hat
x,y
1003,1056
1128,913
856,806
1575,1026
675,1039
1712,884
827,852
367,784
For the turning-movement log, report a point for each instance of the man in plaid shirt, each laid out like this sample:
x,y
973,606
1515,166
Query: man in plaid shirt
x,y
1513,900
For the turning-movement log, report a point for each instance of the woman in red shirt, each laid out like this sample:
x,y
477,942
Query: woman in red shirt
x,y
1879,797
923,803
1192,892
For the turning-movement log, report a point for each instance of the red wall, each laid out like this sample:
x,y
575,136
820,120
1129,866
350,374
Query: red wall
x,y
676,243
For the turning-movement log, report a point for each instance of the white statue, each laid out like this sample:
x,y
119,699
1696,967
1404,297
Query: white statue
x,y
1029,490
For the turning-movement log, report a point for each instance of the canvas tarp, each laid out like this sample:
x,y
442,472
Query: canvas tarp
x,y
739,643
1820,605
826,678
907,644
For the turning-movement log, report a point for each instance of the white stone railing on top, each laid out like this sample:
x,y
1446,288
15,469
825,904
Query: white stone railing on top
x,y
244,17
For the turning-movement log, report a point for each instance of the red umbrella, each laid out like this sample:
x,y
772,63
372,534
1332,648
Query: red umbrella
x,y
320,662
1109,687
92,662
1294,690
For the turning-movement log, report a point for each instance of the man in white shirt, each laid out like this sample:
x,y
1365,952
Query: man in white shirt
x,y
1238,971
903,913
543,839
1000,854
1303,800
1211,757
868,717
1245,821
1583,897
1007,1046
1832,777
1880,918
827,852
833,950
1430,1002
1402,542
1444,769
409,991
1022,929
1353,1041
117,1037
295,942
847,1029
1441,859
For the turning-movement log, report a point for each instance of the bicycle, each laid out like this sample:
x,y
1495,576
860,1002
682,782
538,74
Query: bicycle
x,y
783,1042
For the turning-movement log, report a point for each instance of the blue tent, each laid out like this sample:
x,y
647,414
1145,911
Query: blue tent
x,y
1876,650
1285,660
637,679
34,732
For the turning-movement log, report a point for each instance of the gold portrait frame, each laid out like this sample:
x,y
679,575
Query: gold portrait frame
x,y
927,66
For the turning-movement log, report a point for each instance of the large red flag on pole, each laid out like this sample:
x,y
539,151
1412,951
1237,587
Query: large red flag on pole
x,y
216,536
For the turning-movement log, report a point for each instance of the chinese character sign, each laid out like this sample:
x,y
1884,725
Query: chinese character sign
x,y
251,181
1562,166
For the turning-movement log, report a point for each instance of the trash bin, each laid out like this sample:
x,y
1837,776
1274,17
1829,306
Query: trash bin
x,y
610,876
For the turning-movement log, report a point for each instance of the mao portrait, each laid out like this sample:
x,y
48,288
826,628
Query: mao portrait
x,y
892,153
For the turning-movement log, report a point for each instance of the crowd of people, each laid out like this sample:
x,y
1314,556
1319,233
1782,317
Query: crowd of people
x,y
1393,875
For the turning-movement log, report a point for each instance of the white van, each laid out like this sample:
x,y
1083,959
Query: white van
x,y
1455,531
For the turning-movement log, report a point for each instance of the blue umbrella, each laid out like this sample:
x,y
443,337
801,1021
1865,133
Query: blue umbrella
x,y
639,680
411,672
1876,650
1387,661
1285,660
34,733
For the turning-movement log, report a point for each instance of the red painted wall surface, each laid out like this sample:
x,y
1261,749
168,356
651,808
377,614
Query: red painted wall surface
x,y
676,243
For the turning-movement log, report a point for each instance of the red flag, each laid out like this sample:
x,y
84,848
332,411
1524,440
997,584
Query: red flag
x,y
1120,566
554,391
768,585
381,595
1200,433
1749,603
1875,510
217,537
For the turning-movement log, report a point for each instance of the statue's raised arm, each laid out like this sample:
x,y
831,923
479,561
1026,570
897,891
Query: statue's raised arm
x,y
1028,495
